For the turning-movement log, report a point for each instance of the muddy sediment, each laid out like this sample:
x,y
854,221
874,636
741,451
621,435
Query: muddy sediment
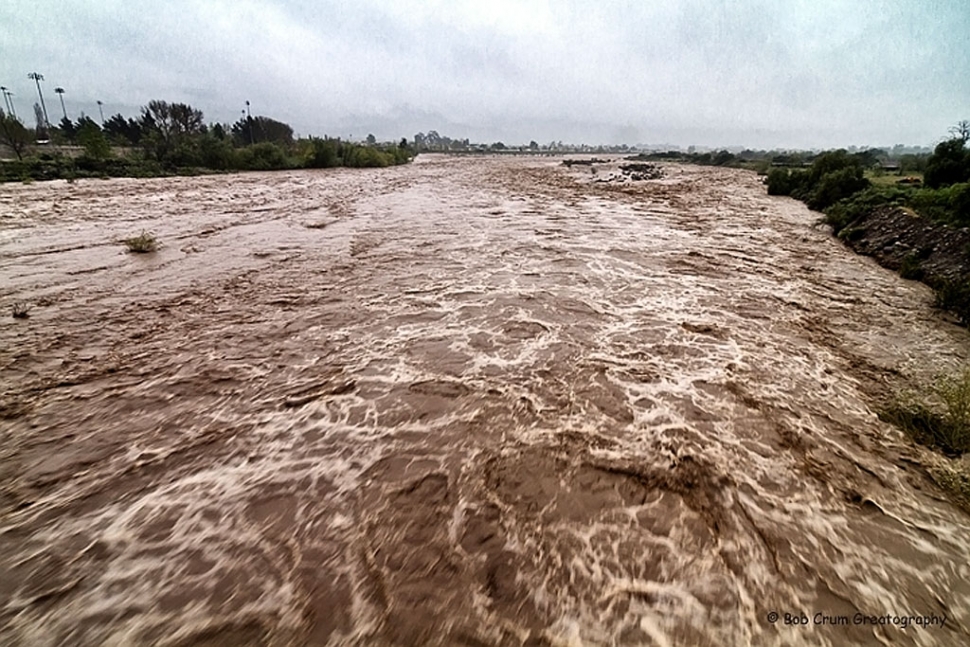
x,y
481,401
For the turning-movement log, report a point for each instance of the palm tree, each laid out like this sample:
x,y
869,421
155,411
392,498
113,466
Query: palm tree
x,y
60,93
36,77
101,110
6,102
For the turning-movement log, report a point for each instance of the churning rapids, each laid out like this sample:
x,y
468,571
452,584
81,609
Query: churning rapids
x,y
460,402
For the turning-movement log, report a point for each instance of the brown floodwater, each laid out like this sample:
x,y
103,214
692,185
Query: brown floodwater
x,y
467,401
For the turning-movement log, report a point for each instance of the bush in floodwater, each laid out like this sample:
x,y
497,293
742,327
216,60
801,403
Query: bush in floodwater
x,y
20,310
142,244
956,480
954,295
940,418
782,181
910,267
852,234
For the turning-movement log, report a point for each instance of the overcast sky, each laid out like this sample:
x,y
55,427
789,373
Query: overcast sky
x,y
811,73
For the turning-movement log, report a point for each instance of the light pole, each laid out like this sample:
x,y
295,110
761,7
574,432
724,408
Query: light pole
x,y
249,124
36,77
9,95
60,93
101,110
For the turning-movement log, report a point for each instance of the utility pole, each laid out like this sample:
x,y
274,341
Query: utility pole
x,y
36,77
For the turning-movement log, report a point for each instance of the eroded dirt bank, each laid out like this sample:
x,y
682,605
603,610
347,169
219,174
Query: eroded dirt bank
x,y
895,236
467,401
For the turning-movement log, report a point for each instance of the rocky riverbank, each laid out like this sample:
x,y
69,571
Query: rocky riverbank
x,y
918,248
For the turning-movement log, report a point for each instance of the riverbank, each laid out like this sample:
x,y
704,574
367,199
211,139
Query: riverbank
x,y
872,217
934,412
918,248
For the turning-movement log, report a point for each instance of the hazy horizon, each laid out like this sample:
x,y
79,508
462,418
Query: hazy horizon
x,y
711,74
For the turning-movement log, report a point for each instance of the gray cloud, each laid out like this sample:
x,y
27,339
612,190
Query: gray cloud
x,y
801,73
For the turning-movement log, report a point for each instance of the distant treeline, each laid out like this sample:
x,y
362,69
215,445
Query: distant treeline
x,y
173,138
762,161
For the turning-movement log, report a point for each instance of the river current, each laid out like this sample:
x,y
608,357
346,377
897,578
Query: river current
x,y
466,401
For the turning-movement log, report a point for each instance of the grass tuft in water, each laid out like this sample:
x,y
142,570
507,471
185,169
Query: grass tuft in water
x,y
956,480
142,244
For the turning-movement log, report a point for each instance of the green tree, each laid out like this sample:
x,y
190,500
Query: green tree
x,y
320,153
961,131
722,158
14,134
124,132
949,164
96,146
168,130
835,186
261,129
67,129
216,152
910,163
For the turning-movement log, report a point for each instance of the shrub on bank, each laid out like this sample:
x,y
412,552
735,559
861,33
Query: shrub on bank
x,y
265,156
832,177
781,181
320,153
939,418
950,204
847,210
910,267
953,295
834,186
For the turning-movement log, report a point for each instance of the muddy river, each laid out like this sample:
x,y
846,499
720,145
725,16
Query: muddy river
x,y
462,402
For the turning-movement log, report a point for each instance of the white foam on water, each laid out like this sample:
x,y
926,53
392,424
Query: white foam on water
x,y
462,400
